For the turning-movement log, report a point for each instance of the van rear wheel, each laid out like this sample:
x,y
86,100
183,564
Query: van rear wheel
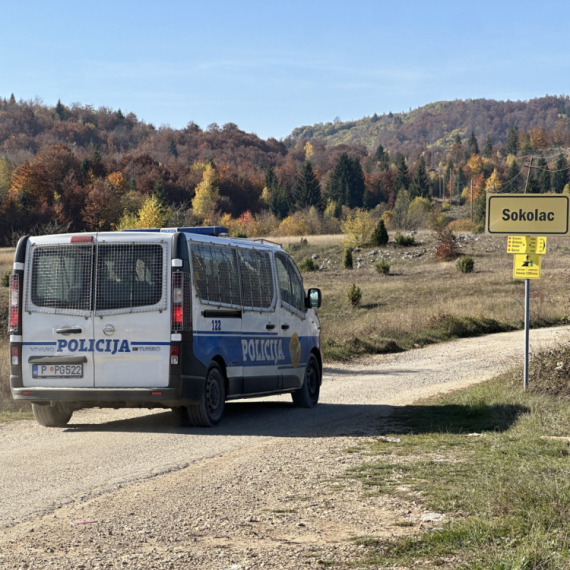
x,y
308,395
210,410
52,416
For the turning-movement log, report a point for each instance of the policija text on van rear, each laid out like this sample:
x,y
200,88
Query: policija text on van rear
x,y
179,318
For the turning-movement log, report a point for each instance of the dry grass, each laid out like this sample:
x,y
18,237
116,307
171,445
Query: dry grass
x,y
423,300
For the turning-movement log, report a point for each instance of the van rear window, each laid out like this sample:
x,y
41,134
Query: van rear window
x,y
61,277
128,277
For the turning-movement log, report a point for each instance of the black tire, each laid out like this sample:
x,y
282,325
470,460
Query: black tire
x,y
210,410
308,395
52,416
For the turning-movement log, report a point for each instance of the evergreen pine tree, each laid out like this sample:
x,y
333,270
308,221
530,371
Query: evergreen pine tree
x,y
60,111
380,235
346,182
488,150
457,139
420,182
307,191
543,177
526,147
460,181
347,259
172,150
120,116
514,181
513,141
278,198
158,192
402,179
559,174
12,99
472,144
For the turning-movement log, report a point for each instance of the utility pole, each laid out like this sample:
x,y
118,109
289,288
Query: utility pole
x,y
471,199
528,175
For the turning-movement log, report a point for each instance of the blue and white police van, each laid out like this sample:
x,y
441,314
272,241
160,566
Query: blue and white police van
x,y
180,318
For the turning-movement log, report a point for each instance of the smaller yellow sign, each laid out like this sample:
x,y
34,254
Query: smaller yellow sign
x,y
527,244
526,266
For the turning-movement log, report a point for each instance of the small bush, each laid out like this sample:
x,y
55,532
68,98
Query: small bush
x,y
405,241
308,265
239,234
347,260
354,295
445,207
382,267
465,264
380,235
446,246
5,279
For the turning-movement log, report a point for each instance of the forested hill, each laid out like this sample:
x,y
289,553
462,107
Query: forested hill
x,y
438,124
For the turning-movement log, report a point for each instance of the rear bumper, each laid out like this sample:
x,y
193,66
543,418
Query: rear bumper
x,y
191,392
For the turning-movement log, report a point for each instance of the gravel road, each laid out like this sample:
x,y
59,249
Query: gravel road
x,y
261,490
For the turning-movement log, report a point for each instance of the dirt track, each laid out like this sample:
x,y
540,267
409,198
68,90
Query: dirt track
x,y
261,490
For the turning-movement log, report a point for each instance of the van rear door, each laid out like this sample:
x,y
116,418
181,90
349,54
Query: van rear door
x,y
132,317
57,320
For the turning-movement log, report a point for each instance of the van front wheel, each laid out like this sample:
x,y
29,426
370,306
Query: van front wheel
x,y
210,410
308,395
52,416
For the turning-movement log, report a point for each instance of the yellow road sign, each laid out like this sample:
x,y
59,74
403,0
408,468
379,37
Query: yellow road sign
x,y
527,244
526,266
528,214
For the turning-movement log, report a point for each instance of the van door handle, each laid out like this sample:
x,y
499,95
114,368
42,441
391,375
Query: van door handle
x,y
270,327
284,327
69,330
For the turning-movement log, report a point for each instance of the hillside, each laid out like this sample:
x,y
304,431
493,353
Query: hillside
x,y
437,124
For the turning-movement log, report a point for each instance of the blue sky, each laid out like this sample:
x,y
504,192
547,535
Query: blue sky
x,y
272,66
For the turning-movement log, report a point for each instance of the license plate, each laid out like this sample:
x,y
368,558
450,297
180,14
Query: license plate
x,y
57,370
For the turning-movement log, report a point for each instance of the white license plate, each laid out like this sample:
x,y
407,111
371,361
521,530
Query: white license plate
x,y
57,370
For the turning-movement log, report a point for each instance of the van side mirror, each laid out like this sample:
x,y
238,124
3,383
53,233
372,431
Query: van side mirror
x,y
314,298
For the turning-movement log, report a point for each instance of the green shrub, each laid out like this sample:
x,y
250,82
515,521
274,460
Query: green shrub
x,y
347,260
405,241
239,234
382,267
308,265
465,264
380,234
354,295
5,279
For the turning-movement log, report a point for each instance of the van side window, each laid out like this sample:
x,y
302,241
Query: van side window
x,y
256,278
290,284
215,274
128,276
61,277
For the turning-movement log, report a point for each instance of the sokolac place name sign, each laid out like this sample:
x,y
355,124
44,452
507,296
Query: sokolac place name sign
x,y
528,214
527,219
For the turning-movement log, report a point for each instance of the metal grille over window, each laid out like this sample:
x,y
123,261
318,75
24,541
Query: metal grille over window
x,y
256,278
130,278
60,279
181,302
215,274
290,283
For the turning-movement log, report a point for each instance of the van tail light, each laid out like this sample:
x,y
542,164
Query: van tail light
x,y
14,326
15,353
181,309
174,354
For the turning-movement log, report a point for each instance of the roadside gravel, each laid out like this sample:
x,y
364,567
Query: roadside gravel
x,y
265,490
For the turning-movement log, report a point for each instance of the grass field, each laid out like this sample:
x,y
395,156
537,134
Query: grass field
x,y
493,460
423,300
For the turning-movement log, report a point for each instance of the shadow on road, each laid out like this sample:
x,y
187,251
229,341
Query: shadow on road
x,y
328,371
272,419
452,418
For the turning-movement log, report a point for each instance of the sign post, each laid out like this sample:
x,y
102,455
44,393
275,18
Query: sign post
x,y
522,217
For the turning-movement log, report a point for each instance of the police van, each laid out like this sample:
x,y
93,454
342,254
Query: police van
x,y
180,318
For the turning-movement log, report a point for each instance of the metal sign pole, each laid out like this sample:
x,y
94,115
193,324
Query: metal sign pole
x,y
526,330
